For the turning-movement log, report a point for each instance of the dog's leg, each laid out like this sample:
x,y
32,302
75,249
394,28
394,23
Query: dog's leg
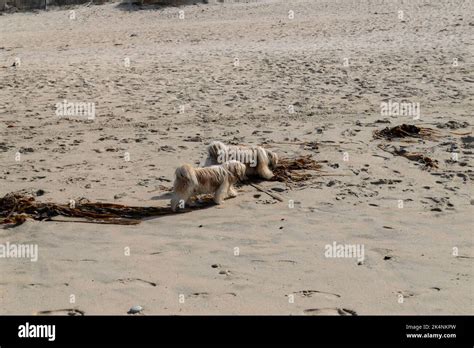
x,y
179,201
232,192
221,192
186,197
175,202
262,165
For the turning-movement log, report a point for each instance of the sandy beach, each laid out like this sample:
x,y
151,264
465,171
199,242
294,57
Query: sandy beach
x,y
302,77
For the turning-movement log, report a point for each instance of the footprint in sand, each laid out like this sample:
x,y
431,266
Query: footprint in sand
x,y
288,261
329,311
207,295
221,271
421,292
200,294
129,280
66,311
463,257
311,293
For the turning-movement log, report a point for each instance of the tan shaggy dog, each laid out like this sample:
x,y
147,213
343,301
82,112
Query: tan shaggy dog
x,y
259,161
218,180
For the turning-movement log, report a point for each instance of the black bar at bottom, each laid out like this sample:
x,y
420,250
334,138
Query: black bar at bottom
x,y
291,330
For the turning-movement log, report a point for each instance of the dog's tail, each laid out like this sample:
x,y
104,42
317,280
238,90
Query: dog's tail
x,y
186,174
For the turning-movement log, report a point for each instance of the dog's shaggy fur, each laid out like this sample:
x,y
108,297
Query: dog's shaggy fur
x,y
258,161
218,180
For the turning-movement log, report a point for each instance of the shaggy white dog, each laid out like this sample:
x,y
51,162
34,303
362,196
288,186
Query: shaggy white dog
x,y
217,179
258,161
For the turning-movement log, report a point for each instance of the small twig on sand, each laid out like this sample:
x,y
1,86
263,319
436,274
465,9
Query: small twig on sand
x,y
268,192
457,133
333,174
101,222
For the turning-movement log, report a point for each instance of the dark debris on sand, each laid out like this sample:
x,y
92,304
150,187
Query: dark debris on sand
x,y
427,162
15,208
289,169
405,131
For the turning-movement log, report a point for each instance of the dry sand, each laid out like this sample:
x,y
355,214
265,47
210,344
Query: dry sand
x,y
410,266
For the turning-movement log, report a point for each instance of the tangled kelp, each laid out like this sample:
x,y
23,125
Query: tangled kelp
x,y
15,208
427,162
406,131
288,169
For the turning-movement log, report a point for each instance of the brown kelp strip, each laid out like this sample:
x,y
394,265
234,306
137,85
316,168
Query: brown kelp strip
x,y
406,131
288,169
15,208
